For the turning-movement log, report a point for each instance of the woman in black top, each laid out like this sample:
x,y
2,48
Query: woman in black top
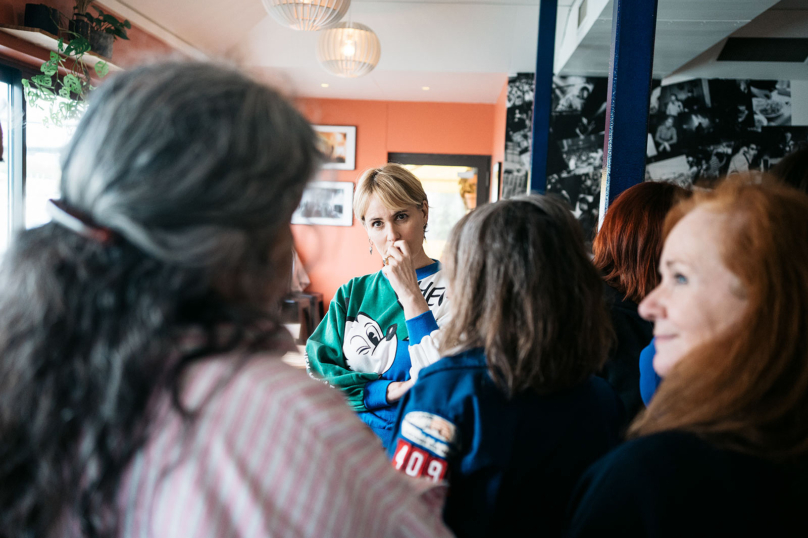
x,y
722,448
626,251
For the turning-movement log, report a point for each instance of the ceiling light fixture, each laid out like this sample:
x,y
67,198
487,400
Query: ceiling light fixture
x,y
425,88
307,15
324,85
349,50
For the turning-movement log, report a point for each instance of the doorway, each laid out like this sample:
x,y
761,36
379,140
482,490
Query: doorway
x,y
454,185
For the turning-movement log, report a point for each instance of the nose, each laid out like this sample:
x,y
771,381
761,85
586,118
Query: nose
x,y
392,234
651,307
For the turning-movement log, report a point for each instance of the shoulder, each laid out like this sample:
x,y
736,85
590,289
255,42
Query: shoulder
x,y
661,461
466,363
266,386
361,282
360,286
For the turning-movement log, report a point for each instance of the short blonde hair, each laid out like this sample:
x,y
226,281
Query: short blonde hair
x,y
395,186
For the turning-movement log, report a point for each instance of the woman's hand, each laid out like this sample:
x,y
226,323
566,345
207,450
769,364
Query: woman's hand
x,y
400,271
397,389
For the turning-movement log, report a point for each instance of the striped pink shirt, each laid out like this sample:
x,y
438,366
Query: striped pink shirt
x,y
272,453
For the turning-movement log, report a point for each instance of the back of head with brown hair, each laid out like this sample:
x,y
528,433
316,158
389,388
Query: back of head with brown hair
x,y
522,287
628,245
747,389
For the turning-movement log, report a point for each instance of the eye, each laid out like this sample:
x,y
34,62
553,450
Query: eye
x,y
361,344
401,216
373,335
679,278
376,224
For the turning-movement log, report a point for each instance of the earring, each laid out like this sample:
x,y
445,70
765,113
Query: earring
x,y
371,247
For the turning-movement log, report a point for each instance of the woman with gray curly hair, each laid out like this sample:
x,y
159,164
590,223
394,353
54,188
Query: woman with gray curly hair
x,y
140,388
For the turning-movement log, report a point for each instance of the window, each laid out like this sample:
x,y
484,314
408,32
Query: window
x,y
30,171
5,172
12,166
43,150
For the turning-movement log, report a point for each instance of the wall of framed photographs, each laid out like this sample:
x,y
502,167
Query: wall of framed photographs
x,y
698,131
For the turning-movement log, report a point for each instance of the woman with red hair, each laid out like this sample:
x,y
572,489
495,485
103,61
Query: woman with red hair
x,y
626,251
722,450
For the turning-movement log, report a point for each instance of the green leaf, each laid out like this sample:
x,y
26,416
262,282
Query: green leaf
x,y
65,92
42,80
49,69
73,83
77,47
101,69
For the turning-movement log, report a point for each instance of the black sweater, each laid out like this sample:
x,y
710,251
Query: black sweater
x,y
633,333
674,484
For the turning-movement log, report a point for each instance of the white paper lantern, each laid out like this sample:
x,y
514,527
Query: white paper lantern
x,y
307,15
349,50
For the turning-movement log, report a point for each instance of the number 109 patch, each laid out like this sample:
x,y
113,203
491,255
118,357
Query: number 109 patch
x,y
418,463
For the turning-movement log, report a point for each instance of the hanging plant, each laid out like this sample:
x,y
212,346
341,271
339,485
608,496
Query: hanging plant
x,y
104,30
82,6
108,24
63,98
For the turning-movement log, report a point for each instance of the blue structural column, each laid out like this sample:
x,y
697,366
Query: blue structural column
x,y
543,95
632,59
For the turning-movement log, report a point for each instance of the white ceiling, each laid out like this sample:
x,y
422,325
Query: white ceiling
x,y
685,28
788,18
462,50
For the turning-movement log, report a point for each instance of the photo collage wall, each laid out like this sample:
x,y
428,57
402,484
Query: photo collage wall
x,y
518,129
698,131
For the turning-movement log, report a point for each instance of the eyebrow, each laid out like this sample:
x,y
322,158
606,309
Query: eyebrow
x,y
674,262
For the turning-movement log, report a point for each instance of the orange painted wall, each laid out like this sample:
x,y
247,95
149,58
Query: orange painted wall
x,y
333,255
500,120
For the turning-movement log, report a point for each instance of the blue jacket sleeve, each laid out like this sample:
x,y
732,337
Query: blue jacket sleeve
x,y
649,380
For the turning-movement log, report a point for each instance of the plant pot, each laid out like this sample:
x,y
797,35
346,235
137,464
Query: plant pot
x,y
80,25
101,43
42,17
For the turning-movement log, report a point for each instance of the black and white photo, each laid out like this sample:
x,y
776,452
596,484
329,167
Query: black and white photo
x,y
328,203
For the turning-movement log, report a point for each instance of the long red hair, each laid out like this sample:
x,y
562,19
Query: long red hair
x,y
628,245
748,388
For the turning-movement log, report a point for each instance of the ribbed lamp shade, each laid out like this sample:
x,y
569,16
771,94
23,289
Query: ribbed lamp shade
x,y
349,50
307,15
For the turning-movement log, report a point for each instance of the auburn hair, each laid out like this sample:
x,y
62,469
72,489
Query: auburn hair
x,y
629,243
524,289
747,389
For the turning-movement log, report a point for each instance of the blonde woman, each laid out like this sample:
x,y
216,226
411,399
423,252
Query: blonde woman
x,y
381,328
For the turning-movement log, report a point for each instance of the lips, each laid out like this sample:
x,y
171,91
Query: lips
x,y
662,338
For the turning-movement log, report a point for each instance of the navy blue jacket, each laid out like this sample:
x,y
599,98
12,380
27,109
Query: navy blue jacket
x,y
674,484
511,464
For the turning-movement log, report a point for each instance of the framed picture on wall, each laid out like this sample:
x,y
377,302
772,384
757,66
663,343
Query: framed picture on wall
x,y
326,203
338,142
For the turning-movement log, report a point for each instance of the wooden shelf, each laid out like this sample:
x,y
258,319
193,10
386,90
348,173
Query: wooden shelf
x,y
47,41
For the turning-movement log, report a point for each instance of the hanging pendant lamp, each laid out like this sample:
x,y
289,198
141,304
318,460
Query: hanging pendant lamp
x,y
349,50
307,15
